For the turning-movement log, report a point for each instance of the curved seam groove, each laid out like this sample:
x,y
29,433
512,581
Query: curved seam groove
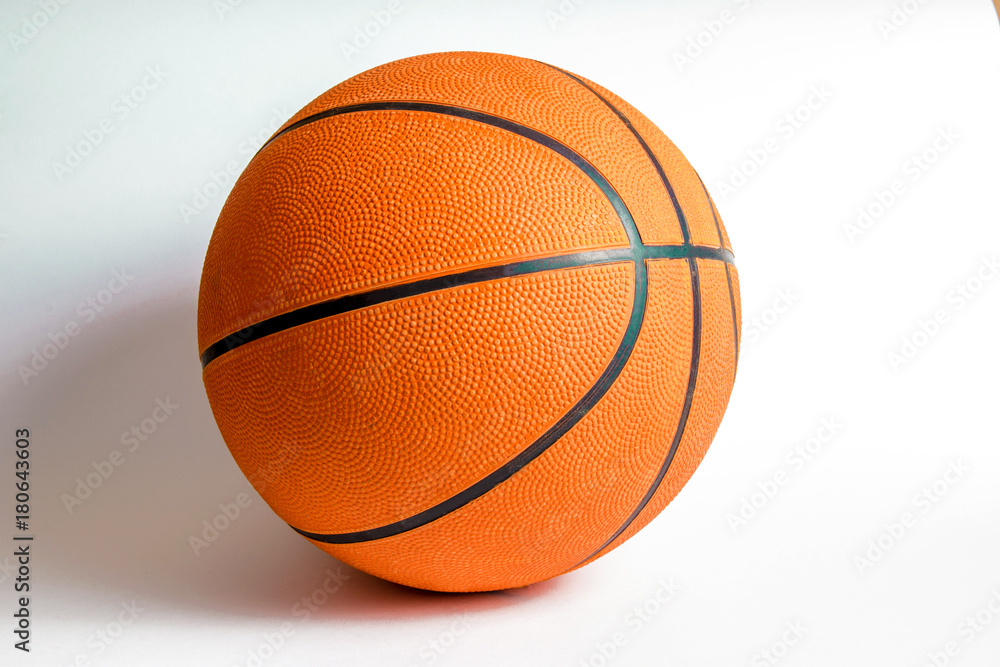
x,y
696,326
350,302
729,278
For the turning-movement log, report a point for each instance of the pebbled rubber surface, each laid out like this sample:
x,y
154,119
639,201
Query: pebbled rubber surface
x,y
398,434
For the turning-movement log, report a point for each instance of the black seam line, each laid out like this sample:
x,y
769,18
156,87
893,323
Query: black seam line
x,y
736,325
696,326
344,304
729,278
715,215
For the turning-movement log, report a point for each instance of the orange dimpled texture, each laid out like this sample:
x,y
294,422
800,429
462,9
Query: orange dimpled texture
x,y
468,321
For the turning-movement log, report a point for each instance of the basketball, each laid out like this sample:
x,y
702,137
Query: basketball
x,y
468,321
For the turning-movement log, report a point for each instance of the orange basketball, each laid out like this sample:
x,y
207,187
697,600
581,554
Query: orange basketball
x,y
468,321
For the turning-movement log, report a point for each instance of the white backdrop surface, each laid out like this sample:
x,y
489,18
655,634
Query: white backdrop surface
x,y
848,511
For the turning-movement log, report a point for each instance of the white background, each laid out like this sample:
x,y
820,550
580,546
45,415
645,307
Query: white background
x,y
230,76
